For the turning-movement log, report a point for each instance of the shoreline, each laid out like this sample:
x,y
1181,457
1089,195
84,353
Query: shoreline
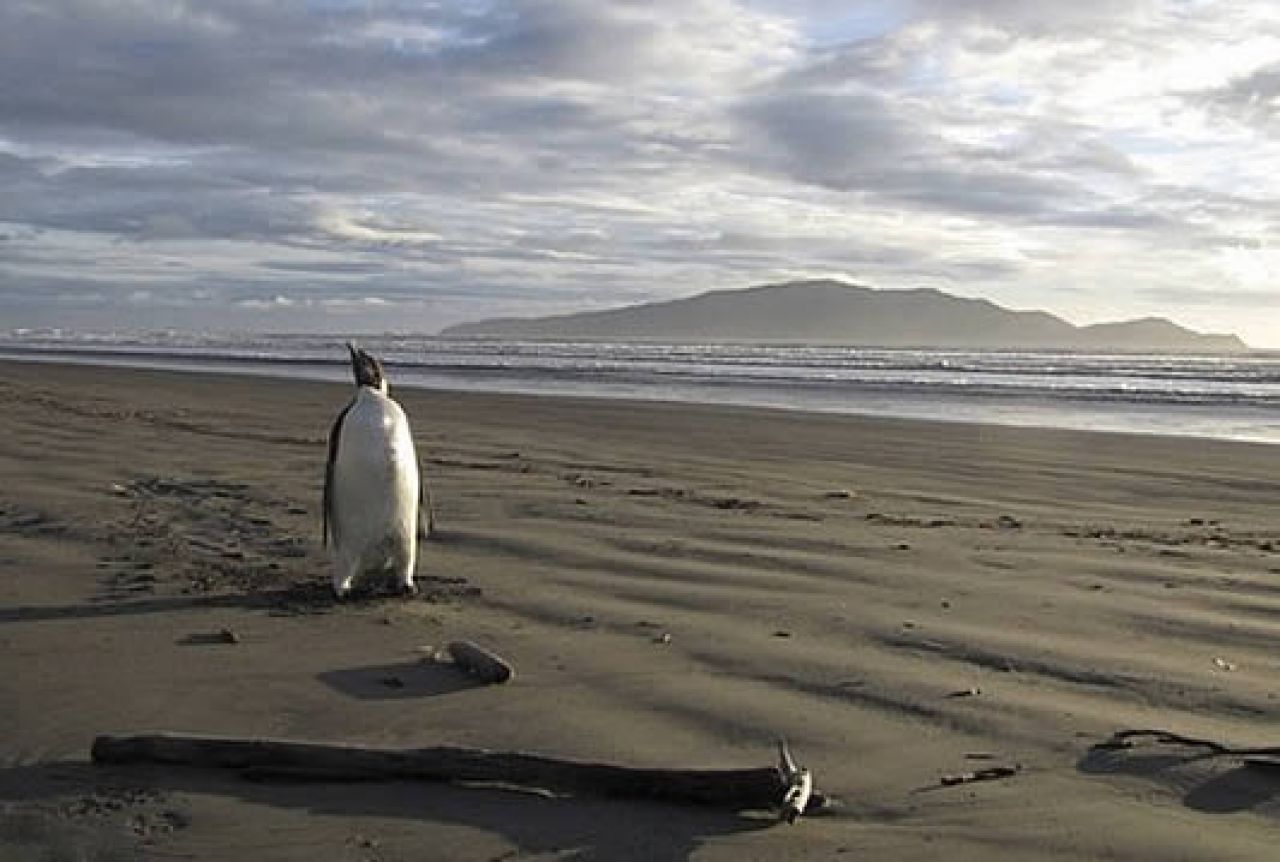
x,y
676,585
241,368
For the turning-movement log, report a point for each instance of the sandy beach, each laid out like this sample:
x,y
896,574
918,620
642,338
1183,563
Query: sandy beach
x,y
676,586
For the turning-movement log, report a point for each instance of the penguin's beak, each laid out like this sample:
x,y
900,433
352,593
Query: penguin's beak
x,y
354,353
367,370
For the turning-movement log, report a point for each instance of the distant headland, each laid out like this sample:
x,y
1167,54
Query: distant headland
x,y
834,312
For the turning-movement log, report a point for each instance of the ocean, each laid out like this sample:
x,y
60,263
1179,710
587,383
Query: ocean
x,y
1230,396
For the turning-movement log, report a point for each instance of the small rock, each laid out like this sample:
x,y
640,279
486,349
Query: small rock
x,y
227,636
946,604
781,634
903,546
1008,522
972,691
392,682
1223,664
840,494
664,638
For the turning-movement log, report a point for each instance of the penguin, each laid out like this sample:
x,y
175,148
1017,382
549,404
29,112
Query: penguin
x,y
376,506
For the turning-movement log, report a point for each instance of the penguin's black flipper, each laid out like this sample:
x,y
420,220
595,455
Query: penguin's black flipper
x,y
328,521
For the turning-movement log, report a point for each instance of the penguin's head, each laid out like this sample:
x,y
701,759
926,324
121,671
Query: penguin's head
x,y
367,369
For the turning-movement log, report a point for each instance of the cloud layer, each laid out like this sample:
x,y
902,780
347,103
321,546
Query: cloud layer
x,y
345,165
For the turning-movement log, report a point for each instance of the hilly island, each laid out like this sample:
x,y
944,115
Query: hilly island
x,y
834,312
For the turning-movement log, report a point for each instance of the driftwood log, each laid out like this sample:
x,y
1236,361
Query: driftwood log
x,y
481,663
739,789
798,783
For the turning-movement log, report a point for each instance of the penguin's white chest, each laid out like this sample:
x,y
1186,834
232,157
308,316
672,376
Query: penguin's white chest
x,y
375,493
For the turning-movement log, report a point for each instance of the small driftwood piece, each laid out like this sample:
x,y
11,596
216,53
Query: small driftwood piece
x,y
1264,758
1125,739
481,663
991,773
739,789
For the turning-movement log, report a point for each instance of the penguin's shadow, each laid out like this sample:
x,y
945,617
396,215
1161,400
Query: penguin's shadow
x,y
399,681
574,829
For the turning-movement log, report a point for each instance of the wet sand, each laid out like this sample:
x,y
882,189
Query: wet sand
x,y
676,586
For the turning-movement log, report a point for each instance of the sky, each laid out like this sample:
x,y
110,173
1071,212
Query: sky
x,y
401,165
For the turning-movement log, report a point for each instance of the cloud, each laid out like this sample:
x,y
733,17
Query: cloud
x,y
1252,98
1035,18
836,139
371,230
172,157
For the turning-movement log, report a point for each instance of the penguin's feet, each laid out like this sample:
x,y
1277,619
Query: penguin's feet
x,y
342,589
408,589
